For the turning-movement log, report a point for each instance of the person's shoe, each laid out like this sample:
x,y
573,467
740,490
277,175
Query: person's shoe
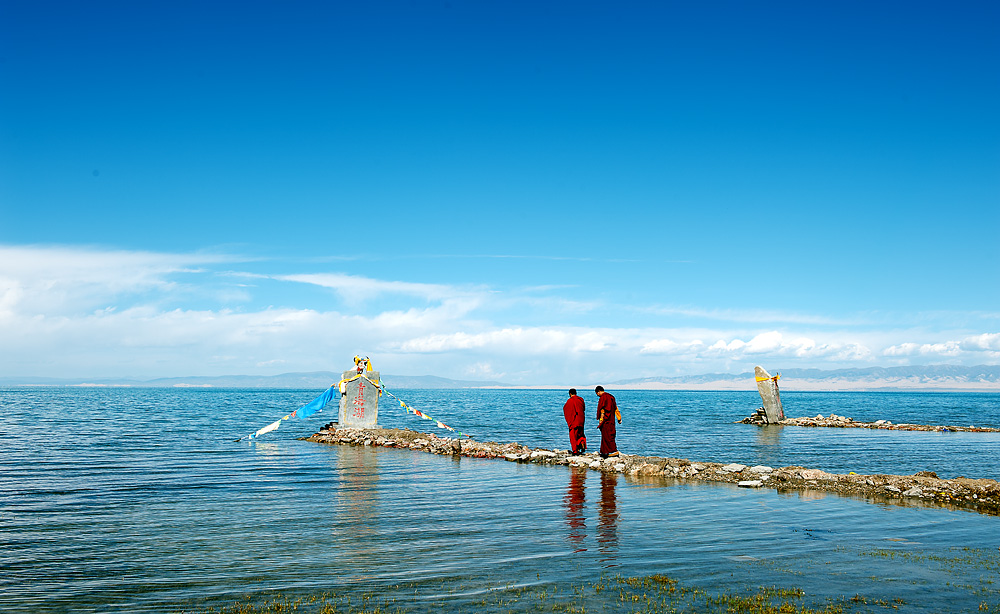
x,y
615,453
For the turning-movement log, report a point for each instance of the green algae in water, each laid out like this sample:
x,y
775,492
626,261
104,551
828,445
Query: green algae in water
x,y
653,594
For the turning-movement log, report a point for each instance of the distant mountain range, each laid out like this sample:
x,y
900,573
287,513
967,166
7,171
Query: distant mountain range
x,y
935,377
314,379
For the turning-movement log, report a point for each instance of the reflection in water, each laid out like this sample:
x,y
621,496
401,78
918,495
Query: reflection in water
x,y
607,518
573,502
812,495
357,487
769,438
269,449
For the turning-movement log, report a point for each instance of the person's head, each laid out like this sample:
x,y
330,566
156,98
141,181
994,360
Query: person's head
x,y
599,390
572,392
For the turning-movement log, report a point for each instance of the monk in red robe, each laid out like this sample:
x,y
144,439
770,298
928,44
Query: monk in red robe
x,y
607,413
575,413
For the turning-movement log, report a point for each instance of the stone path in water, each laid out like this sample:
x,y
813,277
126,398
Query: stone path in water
x,y
922,488
835,421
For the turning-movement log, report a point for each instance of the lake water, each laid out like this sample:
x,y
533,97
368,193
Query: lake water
x,y
139,500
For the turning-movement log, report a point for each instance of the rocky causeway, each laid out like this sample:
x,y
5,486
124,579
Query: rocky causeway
x,y
922,488
835,421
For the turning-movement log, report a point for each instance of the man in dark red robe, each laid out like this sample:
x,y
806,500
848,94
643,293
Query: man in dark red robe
x,y
607,413
575,413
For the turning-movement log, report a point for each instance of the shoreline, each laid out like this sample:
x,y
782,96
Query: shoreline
x,y
922,488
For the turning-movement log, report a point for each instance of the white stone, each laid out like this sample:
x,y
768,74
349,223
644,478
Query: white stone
x,y
541,453
620,467
750,484
891,488
734,467
916,491
595,465
698,467
761,469
815,474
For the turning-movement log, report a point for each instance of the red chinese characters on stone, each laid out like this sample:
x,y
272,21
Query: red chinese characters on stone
x,y
359,402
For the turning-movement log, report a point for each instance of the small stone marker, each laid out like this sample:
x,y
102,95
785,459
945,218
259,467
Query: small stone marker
x,y
767,386
359,401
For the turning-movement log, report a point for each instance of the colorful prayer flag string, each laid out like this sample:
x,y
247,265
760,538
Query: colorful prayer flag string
x,y
320,402
303,412
420,414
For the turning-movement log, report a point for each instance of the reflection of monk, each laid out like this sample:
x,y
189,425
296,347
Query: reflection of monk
x,y
575,412
573,502
607,514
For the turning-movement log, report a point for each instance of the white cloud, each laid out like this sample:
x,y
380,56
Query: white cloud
x,y
355,288
987,342
669,346
271,363
774,343
515,341
483,370
757,316
903,349
65,310
60,280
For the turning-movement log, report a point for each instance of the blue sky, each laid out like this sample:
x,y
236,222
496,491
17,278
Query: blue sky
x,y
536,193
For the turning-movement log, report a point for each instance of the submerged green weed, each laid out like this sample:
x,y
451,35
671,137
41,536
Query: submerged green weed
x,y
653,594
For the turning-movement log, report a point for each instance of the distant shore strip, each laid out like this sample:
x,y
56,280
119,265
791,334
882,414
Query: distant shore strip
x,y
922,488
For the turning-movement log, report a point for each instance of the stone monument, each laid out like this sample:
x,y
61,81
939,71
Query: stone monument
x,y
767,386
359,396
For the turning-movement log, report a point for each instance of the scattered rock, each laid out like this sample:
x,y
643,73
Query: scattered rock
x,y
815,474
750,484
734,468
646,469
835,421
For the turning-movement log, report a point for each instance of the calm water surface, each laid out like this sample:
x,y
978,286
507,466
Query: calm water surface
x,y
139,500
